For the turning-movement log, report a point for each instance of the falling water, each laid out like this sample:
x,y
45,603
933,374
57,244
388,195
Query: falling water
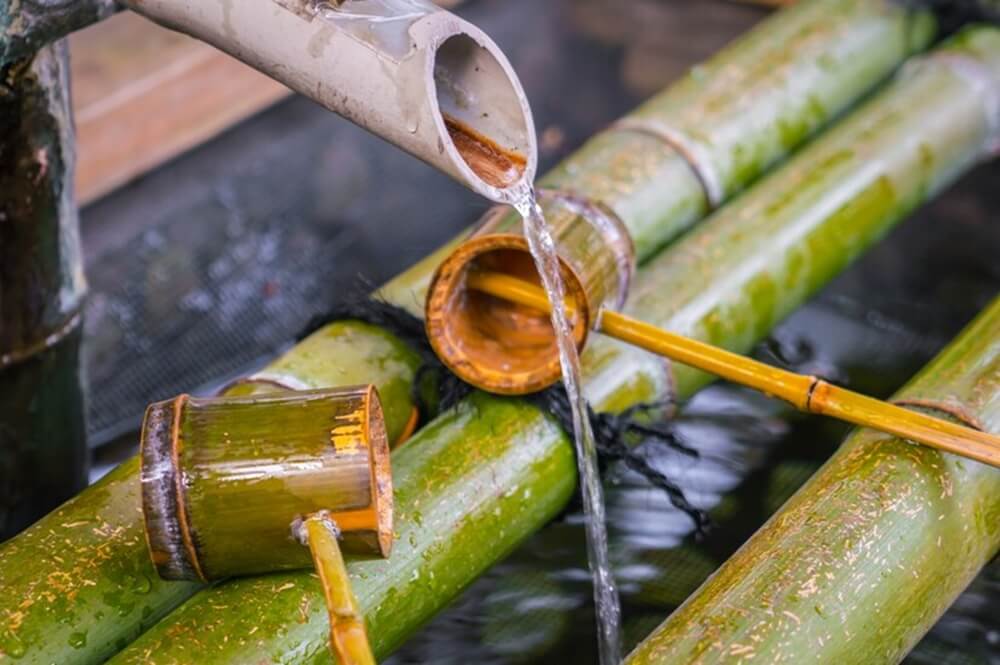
x,y
502,168
543,250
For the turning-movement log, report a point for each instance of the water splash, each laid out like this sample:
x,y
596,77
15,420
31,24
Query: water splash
x,y
606,600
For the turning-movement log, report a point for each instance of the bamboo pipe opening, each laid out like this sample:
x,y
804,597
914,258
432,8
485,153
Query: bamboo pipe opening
x,y
493,343
483,116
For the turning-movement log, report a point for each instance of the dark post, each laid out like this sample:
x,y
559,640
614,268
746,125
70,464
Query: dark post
x,y
27,26
43,455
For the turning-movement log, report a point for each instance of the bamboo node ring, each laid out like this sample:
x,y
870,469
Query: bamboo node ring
x,y
610,226
956,411
981,78
693,153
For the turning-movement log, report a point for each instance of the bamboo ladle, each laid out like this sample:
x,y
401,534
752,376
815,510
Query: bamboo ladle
x,y
806,393
237,485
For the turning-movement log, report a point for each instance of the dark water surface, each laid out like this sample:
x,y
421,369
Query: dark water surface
x,y
209,266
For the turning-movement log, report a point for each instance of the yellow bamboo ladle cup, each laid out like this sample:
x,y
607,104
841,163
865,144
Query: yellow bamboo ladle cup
x,y
806,393
237,485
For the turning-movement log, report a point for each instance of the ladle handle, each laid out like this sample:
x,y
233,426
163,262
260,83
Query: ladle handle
x,y
348,636
806,393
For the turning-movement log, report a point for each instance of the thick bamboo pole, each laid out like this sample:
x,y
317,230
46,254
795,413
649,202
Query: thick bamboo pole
x,y
471,484
109,593
861,562
43,453
739,113
634,188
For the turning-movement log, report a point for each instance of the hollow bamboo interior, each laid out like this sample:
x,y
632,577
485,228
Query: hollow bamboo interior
x,y
497,344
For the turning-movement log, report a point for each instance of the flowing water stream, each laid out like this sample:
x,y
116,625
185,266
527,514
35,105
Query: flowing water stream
x,y
543,250
501,168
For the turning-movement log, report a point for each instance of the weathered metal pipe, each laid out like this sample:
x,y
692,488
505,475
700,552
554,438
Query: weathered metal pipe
x,y
660,169
412,73
43,453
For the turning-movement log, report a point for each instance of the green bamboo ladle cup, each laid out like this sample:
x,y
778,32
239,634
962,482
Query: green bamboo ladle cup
x,y
237,485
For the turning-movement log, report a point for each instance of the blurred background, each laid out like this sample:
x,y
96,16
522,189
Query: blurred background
x,y
222,214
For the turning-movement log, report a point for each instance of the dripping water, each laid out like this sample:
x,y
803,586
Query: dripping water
x,y
606,601
502,168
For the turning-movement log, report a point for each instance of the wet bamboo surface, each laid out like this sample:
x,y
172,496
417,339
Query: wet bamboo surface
x,y
507,466
802,65
112,596
861,562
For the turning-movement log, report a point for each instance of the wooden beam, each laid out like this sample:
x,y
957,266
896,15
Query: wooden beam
x,y
143,94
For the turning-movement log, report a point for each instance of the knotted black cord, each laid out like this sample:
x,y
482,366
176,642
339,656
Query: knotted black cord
x,y
614,433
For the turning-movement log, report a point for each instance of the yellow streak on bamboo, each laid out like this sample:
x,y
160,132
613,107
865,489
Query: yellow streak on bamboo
x,y
806,393
348,636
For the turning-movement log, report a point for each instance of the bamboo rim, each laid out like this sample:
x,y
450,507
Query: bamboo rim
x,y
502,347
806,393
164,518
381,471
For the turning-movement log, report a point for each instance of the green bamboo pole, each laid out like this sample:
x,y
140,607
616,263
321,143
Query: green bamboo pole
x,y
862,561
477,480
111,593
43,454
740,112
762,96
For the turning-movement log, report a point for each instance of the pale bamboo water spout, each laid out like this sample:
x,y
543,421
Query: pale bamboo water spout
x,y
408,71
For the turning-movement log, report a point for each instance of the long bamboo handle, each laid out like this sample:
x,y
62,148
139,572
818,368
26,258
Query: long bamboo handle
x,y
348,636
806,393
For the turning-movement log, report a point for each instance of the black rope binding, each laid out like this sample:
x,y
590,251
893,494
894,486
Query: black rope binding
x,y
437,389
953,14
